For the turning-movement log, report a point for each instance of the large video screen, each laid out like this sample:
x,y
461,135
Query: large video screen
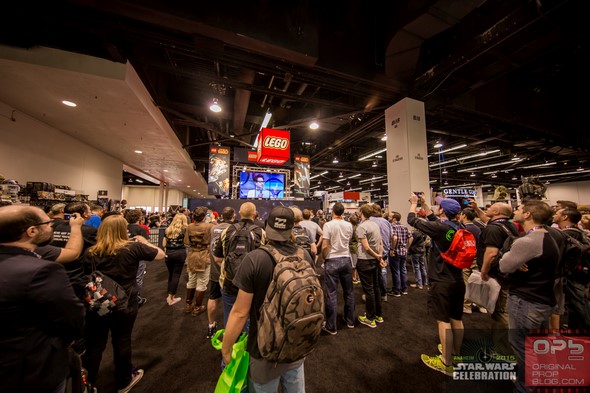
x,y
262,185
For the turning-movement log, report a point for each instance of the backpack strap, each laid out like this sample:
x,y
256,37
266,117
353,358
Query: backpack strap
x,y
505,227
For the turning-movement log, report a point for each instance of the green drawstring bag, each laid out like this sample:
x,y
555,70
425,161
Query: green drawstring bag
x,y
234,377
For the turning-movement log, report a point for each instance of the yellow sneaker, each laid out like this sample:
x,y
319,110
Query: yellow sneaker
x,y
436,363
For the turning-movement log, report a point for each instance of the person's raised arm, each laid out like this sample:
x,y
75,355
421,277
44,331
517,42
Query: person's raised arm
x,y
480,213
73,248
160,256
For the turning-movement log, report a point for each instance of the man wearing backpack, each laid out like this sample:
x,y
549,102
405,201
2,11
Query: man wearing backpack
x,y
447,288
235,242
253,280
578,310
302,236
532,262
228,215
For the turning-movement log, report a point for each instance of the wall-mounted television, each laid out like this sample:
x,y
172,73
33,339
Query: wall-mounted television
x,y
262,185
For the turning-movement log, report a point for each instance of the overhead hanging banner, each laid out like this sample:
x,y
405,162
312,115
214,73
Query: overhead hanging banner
x,y
218,182
301,171
274,146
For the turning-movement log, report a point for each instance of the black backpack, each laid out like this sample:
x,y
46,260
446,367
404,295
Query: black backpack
x,y
244,239
576,259
495,272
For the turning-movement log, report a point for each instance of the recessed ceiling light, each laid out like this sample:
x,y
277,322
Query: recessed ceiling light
x,y
69,103
314,125
138,151
166,170
194,190
188,186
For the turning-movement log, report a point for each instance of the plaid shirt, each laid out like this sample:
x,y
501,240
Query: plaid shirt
x,y
403,234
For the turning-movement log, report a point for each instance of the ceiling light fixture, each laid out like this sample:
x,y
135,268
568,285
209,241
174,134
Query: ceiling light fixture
x,y
214,107
314,125
445,171
374,164
348,183
538,165
472,174
453,148
138,151
372,154
486,166
340,175
438,145
69,103
384,138
335,160
319,174
515,158
485,153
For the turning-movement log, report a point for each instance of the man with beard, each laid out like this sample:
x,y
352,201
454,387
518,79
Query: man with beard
x,y
39,311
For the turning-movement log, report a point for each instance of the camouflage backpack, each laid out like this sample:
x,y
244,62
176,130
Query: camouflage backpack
x,y
292,314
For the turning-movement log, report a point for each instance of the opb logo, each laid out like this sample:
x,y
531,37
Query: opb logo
x,y
574,350
274,142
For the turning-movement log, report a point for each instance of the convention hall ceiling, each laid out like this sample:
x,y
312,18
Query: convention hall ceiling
x,y
495,76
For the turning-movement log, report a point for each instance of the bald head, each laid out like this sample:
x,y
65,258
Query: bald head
x,y
247,211
16,219
499,210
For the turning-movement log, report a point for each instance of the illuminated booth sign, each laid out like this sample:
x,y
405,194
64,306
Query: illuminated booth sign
x,y
459,192
273,146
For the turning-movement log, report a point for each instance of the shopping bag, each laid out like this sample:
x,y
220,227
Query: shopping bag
x,y
484,293
234,377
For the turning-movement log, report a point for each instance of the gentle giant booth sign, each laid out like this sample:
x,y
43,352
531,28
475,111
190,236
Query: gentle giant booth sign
x,y
460,192
273,146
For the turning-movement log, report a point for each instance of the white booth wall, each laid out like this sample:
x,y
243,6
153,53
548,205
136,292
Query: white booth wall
x,y
31,150
148,197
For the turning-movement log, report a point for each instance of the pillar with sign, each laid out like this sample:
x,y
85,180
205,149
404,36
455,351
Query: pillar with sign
x,y
407,162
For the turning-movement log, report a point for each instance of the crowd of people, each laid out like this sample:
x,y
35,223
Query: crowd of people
x,y
45,257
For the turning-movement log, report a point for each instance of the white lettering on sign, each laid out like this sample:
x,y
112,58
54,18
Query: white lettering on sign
x,y
276,143
271,161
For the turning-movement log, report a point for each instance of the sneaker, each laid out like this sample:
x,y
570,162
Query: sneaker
x,y
379,320
436,363
467,310
141,301
356,282
404,292
396,294
416,286
330,332
173,301
349,326
390,292
211,330
136,376
384,298
482,310
366,321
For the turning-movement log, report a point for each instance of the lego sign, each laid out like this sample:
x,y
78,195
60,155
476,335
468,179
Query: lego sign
x,y
273,146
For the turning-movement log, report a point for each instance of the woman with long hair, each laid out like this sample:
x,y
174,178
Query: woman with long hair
x,y
117,257
175,254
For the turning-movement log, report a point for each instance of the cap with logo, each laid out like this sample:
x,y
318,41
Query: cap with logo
x,y
279,224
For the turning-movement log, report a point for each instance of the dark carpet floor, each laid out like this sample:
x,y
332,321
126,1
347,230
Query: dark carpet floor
x,y
173,349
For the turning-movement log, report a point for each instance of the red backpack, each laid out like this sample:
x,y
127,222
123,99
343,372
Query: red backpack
x,y
461,252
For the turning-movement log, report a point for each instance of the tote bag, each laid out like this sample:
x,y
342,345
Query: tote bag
x,y
234,377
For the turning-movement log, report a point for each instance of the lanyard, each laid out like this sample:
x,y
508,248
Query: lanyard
x,y
535,228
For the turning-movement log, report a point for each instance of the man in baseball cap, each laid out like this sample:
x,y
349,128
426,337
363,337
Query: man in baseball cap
x,y
279,224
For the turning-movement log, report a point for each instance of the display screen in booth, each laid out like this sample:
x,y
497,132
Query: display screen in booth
x,y
262,185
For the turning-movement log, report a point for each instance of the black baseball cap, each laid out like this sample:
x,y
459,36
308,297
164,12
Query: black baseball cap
x,y
279,224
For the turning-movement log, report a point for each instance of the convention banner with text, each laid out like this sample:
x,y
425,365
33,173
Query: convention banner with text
x,y
218,182
274,146
301,170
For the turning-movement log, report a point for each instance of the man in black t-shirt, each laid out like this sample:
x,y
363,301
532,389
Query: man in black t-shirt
x,y
133,216
447,288
490,243
61,236
253,278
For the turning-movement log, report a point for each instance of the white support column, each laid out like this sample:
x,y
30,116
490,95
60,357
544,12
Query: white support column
x,y
407,162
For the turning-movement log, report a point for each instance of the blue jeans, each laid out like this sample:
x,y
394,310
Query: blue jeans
x,y
292,381
399,273
523,316
419,265
338,269
382,277
228,303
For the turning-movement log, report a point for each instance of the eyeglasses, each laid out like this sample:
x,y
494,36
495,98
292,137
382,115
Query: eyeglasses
x,y
259,181
44,223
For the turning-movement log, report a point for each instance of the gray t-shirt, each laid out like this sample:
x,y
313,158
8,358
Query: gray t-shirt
x,y
368,230
313,229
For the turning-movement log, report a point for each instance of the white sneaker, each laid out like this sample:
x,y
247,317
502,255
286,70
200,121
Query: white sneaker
x,y
483,310
135,378
173,301
467,310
